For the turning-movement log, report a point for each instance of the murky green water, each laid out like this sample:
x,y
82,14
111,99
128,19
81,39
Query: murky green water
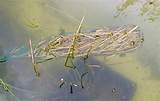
x,y
133,77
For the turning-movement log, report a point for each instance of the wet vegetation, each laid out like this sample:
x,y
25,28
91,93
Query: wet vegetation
x,y
7,88
148,8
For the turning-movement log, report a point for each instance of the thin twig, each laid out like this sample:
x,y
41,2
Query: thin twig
x,y
35,67
72,47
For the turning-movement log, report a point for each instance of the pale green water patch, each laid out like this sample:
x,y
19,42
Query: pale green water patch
x,y
131,68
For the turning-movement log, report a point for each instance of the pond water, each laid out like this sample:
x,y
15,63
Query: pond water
x,y
134,76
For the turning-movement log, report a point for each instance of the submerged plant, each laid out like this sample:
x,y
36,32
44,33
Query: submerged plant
x,y
151,9
124,5
148,8
7,88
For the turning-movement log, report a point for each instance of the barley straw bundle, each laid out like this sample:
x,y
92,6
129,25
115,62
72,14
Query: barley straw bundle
x,y
102,41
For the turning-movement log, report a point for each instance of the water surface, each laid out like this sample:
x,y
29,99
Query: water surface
x,y
136,74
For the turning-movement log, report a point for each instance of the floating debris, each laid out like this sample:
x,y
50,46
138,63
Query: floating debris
x,y
104,41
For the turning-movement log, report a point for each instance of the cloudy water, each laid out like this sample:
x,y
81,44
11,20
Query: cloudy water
x,y
133,76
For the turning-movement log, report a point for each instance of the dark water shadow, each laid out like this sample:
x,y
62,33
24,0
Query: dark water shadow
x,y
101,84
